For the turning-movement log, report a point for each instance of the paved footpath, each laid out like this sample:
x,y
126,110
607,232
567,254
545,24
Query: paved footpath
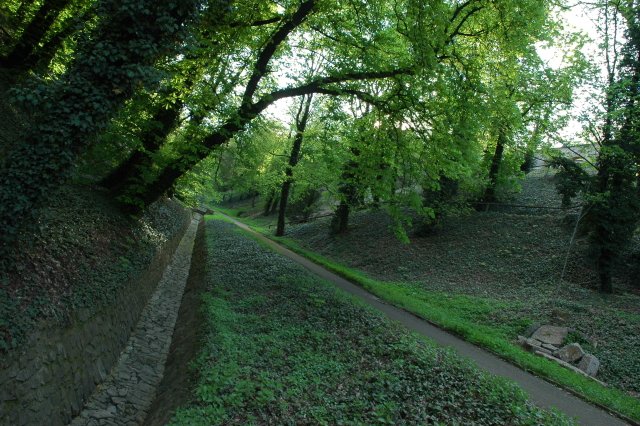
x,y
125,397
542,393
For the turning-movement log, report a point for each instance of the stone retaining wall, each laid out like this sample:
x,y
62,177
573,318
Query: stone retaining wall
x,y
48,379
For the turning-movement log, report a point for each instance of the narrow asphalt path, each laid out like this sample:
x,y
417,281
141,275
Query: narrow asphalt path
x,y
542,393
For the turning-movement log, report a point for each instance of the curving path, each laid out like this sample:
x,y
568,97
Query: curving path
x,y
542,393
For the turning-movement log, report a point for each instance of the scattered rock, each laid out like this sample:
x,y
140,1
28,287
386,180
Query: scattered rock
x,y
551,334
533,345
570,353
529,344
541,350
589,364
570,367
100,414
549,347
532,329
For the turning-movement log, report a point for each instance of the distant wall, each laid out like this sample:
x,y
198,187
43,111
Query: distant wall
x,y
47,379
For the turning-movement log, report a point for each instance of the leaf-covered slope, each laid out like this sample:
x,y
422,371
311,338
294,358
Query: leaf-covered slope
x,y
82,250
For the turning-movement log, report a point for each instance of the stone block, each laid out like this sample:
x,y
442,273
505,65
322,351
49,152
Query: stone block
x,y
532,329
100,414
570,353
589,364
551,334
549,347
531,345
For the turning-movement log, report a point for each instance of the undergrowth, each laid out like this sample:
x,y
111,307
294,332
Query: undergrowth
x,y
282,346
494,323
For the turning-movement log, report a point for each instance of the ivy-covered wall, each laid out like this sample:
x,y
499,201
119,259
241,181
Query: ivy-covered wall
x,y
47,379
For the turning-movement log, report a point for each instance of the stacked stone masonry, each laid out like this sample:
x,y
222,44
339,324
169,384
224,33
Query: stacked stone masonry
x,y
126,395
48,378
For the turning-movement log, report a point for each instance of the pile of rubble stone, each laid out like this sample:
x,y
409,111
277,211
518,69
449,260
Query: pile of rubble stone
x,y
547,341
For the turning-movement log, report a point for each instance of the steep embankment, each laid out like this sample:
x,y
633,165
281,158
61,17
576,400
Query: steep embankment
x,y
501,269
67,309
81,251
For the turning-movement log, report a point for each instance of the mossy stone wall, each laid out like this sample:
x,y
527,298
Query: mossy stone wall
x,y
47,379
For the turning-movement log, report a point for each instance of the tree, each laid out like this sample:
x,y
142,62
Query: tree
x,y
33,34
301,119
614,198
109,64
612,193
418,51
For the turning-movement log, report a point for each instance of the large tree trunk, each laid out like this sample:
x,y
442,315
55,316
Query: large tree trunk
x,y
349,192
81,103
301,124
274,204
33,34
267,204
340,221
284,196
247,111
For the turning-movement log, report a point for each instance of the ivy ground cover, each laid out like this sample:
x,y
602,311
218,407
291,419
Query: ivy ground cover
x,y
282,346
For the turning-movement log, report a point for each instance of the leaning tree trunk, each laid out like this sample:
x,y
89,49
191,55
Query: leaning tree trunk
x,y
164,121
33,34
72,110
301,124
42,57
246,112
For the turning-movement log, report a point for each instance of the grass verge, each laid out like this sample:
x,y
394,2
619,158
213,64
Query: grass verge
x,y
455,313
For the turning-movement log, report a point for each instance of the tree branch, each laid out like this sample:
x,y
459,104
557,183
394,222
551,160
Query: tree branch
x,y
318,85
271,46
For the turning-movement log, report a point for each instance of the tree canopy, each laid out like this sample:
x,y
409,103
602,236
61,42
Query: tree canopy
x,y
419,107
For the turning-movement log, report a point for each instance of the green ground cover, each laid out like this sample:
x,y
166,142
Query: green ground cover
x,y
81,252
282,346
487,277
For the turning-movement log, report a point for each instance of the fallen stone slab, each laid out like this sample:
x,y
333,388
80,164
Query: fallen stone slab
x,y
551,334
550,347
569,366
589,364
570,353
528,344
532,329
533,345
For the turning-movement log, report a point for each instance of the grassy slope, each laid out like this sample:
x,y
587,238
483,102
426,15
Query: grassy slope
x,y
487,277
283,347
